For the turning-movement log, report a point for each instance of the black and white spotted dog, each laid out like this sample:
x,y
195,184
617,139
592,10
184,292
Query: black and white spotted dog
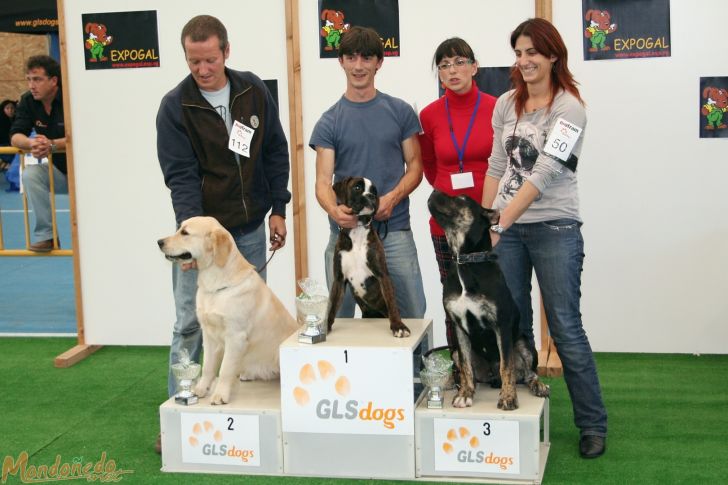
x,y
359,259
490,346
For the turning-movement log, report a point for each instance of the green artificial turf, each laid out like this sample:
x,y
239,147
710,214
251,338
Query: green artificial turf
x,y
668,417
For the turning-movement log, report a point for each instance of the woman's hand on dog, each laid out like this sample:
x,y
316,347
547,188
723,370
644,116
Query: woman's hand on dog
x,y
188,266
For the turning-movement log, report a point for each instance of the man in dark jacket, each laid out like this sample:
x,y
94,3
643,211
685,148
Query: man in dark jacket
x,y
41,109
223,154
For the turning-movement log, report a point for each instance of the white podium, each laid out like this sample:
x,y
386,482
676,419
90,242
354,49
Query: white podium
x,y
483,442
347,408
241,437
347,404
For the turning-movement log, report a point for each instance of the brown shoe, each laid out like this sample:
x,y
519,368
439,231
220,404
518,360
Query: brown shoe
x,y
42,246
158,444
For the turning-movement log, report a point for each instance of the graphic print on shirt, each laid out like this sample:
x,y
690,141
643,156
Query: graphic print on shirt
x,y
522,149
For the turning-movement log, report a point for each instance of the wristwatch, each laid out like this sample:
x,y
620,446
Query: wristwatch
x,y
53,147
497,228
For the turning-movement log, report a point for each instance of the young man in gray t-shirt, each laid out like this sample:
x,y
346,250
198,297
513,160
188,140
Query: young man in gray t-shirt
x,y
373,135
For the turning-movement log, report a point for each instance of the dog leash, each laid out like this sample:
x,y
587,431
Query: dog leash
x,y
266,263
384,223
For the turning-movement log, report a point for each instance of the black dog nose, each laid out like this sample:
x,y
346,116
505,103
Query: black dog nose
x,y
160,243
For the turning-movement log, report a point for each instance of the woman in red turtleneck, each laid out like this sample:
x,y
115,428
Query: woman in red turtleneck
x,y
457,139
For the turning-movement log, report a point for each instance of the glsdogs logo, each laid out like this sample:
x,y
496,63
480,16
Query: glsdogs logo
x,y
210,441
339,407
466,446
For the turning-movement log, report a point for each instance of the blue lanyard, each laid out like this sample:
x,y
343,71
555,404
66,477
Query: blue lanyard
x,y
459,150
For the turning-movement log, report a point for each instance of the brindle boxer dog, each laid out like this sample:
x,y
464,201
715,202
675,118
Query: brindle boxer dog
x,y
359,259
477,299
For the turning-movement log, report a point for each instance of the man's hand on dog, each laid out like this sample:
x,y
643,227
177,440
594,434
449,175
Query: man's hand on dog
x,y
343,217
386,206
188,266
277,227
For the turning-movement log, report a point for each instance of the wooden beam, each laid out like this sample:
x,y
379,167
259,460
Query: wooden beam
x,y
553,366
27,252
543,9
296,143
76,354
549,363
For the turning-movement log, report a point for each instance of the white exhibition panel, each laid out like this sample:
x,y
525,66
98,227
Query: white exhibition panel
x,y
484,24
123,205
654,270
655,226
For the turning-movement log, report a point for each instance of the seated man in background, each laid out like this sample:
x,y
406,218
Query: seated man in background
x,y
41,109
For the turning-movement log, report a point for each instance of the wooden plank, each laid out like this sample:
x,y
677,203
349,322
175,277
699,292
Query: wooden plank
x,y
27,252
543,9
543,358
296,143
553,365
74,355
77,354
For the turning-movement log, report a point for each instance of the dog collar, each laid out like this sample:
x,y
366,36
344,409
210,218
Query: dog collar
x,y
480,257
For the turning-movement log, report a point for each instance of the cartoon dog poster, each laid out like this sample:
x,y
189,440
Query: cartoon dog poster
x,y
116,40
713,107
615,29
336,17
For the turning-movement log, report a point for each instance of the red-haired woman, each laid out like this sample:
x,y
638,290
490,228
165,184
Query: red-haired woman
x,y
538,133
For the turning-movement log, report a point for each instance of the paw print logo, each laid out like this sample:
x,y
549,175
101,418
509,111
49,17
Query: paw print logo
x,y
307,376
459,437
204,430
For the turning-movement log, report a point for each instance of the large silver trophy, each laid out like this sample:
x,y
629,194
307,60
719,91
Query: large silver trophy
x,y
436,376
185,372
311,306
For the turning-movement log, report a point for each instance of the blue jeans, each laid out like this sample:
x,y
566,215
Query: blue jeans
x,y
555,250
187,333
36,183
404,270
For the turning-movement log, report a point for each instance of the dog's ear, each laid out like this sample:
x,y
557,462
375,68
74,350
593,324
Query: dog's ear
x,y
493,216
340,190
325,14
706,92
589,14
221,246
88,27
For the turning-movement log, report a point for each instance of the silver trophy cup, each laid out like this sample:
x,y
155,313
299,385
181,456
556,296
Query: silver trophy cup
x,y
185,374
312,333
310,312
436,382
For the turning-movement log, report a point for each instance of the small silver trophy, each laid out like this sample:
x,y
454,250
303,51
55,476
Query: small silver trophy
x,y
312,334
311,308
435,375
185,372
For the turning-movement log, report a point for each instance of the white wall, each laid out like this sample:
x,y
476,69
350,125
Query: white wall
x,y
653,221
123,205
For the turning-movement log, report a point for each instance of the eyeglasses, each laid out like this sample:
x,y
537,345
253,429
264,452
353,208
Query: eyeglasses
x,y
36,79
458,64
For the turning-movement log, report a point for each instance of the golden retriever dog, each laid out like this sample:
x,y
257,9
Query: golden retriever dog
x,y
242,321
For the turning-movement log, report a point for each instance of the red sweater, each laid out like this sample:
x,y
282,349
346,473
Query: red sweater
x,y
439,157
